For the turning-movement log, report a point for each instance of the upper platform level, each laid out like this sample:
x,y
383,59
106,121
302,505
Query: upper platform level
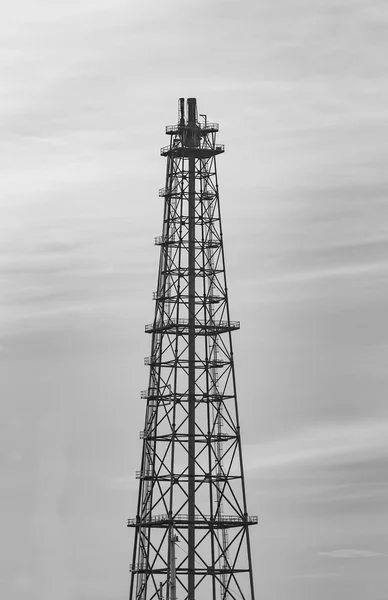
x,y
181,326
197,151
204,128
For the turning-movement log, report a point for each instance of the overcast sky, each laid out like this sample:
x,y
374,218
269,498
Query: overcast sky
x,y
299,88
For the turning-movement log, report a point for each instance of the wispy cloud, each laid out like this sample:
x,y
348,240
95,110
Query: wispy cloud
x,y
321,445
124,483
333,272
323,575
352,554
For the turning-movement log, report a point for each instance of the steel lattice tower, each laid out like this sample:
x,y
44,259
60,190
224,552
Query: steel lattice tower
x,y
192,527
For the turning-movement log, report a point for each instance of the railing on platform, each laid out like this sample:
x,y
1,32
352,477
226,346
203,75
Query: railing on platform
x,y
204,519
204,128
183,323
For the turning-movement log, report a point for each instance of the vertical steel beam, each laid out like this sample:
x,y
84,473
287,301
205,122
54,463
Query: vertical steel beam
x,y
191,117
191,357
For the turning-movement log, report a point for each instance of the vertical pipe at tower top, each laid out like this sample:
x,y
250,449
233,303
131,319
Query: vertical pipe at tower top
x,y
191,117
191,111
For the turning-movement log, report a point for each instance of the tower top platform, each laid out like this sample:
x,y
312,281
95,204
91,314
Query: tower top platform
x,y
203,127
196,151
192,136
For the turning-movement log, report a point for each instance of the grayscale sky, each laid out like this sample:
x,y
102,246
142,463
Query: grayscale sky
x,y
299,88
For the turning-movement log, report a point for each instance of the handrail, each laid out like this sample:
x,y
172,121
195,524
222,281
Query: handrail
x,y
216,148
197,519
197,324
165,239
201,126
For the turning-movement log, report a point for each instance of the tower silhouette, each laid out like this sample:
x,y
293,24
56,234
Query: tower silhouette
x,y
192,528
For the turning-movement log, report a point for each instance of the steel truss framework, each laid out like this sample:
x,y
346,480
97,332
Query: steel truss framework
x,y
192,527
